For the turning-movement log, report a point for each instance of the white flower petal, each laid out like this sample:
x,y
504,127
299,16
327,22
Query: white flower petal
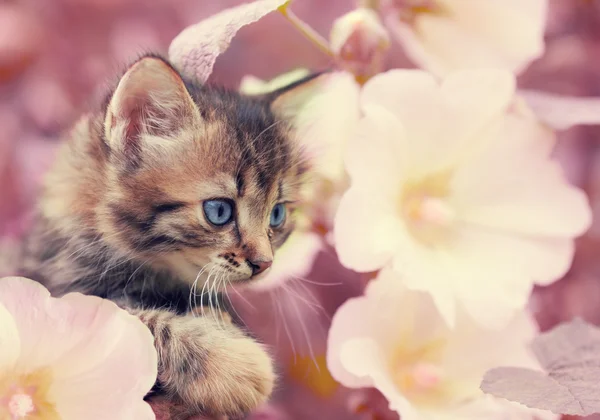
x,y
563,112
89,369
366,230
517,334
488,287
327,122
390,331
415,265
413,98
550,259
10,344
375,156
363,357
488,20
474,99
453,48
91,346
345,327
472,34
511,185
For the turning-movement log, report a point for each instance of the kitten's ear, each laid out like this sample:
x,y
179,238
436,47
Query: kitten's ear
x,y
150,100
287,101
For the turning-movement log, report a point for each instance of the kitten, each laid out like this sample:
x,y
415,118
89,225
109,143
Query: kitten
x,y
169,185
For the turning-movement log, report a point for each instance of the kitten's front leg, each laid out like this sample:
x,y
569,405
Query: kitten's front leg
x,y
208,365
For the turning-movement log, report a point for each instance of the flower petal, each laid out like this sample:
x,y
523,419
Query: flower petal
x,y
376,155
327,122
92,346
472,34
511,342
419,270
117,360
487,287
474,99
10,344
451,115
512,185
345,326
367,215
550,259
412,97
28,303
488,20
363,358
194,51
563,112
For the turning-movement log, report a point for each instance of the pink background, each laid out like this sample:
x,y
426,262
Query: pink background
x,y
57,56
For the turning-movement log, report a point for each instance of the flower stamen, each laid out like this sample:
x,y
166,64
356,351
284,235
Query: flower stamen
x,y
25,396
408,10
20,405
426,210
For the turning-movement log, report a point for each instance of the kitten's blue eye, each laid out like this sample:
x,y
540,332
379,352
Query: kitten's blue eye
x,y
278,215
218,212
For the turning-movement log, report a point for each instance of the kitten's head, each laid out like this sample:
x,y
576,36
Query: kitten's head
x,y
200,180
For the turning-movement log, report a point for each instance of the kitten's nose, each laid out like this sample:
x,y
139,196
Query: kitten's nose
x,y
259,266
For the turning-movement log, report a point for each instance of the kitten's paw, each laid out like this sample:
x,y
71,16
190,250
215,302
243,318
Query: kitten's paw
x,y
214,368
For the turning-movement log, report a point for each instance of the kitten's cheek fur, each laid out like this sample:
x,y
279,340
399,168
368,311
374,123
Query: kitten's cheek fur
x,y
209,366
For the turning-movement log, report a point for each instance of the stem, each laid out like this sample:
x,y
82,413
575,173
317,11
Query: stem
x,y
368,4
308,32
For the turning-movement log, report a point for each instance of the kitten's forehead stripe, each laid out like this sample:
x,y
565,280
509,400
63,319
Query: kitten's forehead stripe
x,y
255,145
240,183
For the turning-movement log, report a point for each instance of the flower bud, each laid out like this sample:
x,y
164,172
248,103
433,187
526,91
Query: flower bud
x,y
359,42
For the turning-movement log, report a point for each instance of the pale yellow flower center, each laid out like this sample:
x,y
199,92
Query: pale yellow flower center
x,y
425,208
409,10
418,372
419,378
25,396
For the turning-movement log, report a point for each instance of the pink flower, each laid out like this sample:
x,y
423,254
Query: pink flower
x,y
77,357
445,35
457,193
395,340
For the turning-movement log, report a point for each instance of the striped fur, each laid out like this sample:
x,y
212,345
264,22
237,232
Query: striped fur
x,y
121,217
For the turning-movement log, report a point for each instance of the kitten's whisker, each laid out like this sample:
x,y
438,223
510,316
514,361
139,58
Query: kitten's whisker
x,y
228,283
306,336
242,297
100,238
311,306
285,326
315,301
132,275
218,285
315,306
209,290
194,304
205,285
277,329
305,280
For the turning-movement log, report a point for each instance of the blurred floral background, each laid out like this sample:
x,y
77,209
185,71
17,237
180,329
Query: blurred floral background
x,y
58,56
